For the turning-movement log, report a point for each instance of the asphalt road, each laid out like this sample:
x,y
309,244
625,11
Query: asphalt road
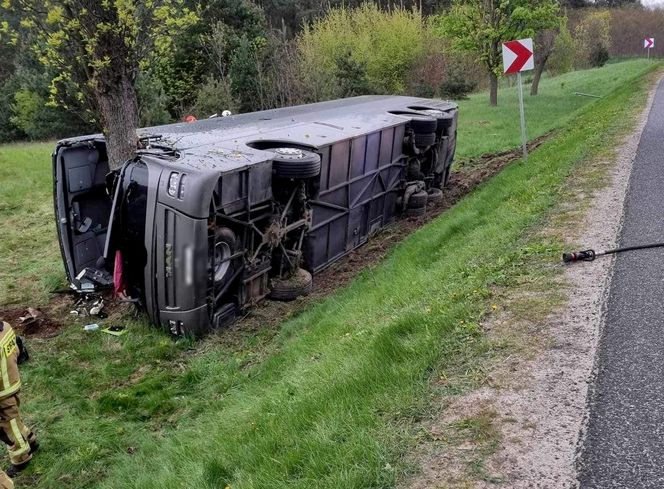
x,y
624,447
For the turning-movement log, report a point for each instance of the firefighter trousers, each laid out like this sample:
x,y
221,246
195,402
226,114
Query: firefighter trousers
x,y
5,481
13,432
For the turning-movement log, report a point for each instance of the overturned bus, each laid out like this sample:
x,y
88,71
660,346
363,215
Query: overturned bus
x,y
212,216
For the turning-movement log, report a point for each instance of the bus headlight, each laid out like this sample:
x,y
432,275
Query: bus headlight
x,y
173,184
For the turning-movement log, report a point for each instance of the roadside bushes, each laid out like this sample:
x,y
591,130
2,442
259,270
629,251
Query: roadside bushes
x,y
367,50
599,55
213,97
442,71
152,101
28,113
463,77
592,37
224,44
378,48
233,58
563,53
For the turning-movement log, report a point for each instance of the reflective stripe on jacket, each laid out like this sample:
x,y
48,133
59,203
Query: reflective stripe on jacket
x,y
10,380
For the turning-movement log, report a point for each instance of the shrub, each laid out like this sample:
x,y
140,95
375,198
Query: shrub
x,y
213,97
25,110
430,70
457,86
8,130
384,47
285,82
352,76
37,120
563,53
152,101
592,37
599,55
463,77
443,72
245,74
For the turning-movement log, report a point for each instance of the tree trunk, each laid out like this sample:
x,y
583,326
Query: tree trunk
x,y
118,107
539,69
493,93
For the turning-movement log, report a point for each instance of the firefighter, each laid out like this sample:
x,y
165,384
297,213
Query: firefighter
x,y
20,440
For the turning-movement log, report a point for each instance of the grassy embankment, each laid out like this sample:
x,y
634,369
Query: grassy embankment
x,y
330,401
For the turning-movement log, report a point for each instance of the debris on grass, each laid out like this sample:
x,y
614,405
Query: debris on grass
x,y
115,330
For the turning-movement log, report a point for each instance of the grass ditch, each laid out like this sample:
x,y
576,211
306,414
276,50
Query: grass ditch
x,y
526,308
331,399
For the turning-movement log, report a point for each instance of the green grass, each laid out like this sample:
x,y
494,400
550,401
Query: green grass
x,y
30,263
329,400
485,129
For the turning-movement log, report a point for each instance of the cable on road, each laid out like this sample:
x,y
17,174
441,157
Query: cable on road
x,y
590,255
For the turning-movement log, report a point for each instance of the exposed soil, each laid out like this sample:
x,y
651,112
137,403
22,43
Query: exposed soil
x,y
48,321
31,322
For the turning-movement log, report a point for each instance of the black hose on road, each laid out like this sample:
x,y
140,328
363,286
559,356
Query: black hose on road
x,y
590,255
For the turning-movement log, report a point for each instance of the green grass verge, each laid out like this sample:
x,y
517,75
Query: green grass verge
x,y
331,399
30,263
485,129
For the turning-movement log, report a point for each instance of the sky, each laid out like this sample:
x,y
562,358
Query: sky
x,y
650,3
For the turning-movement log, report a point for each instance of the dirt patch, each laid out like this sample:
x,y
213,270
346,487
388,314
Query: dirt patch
x,y
539,392
31,322
49,320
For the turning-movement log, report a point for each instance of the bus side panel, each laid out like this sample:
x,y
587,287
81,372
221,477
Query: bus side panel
x,y
360,183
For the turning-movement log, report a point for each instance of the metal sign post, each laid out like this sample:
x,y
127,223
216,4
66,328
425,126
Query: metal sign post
x,y
518,57
524,139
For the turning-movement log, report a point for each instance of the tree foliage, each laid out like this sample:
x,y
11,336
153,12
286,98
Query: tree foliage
x,y
122,63
592,37
480,26
563,53
95,50
629,26
207,48
213,97
290,15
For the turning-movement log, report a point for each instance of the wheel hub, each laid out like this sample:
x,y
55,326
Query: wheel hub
x,y
291,153
222,262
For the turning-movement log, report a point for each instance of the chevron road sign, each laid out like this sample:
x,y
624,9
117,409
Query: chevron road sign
x,y
649,43
518,57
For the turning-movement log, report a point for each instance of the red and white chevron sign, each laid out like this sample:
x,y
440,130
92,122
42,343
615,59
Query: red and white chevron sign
x,y
518,56
649,42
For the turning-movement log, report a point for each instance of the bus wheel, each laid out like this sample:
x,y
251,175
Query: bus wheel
x,y
288,289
